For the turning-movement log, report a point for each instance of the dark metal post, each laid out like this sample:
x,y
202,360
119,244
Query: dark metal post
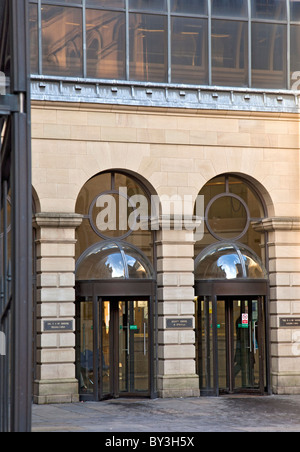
x,y
16,271
22,223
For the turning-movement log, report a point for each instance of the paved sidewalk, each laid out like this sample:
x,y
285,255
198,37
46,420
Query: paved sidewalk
x,y
223,414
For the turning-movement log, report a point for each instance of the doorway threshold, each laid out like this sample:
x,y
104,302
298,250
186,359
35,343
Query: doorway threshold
x,y
243,396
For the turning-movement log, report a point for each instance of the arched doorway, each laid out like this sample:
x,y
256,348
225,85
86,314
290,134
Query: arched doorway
x,y
231,288
115,290
115,299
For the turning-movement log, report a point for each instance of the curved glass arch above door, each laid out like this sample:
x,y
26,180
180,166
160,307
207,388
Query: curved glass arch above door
x,y
111,213
113,260
232,205
225,260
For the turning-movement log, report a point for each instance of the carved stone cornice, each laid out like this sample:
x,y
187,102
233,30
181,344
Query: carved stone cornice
x,y
277,224
57,220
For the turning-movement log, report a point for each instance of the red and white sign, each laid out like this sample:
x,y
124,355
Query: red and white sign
x,y
244,319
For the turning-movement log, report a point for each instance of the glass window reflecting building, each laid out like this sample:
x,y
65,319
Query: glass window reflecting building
x,y
233,43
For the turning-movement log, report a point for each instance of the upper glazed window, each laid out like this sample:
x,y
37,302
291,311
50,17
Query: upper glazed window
x,y
148,5
230,43
230,8
269,9
189,6
106,3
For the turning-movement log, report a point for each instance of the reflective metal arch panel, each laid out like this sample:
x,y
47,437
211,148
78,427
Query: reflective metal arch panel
x,y
229,261
113,260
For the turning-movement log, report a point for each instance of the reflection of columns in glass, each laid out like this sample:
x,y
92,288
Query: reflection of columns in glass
x,y
152,44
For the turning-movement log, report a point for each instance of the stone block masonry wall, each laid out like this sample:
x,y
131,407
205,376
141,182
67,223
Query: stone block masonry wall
x,y
284,252
55,356
176,346
176,152
284,302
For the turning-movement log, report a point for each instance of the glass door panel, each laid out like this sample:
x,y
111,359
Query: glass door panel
x,y
105,348
240,344
205,344
222,344
86,371
246,348
133,347
124,334
231,344
112,347
140,337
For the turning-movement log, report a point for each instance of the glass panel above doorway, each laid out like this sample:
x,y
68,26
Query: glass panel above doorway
x,y
106,263
228,261
113,260
111,212
232,207
227,217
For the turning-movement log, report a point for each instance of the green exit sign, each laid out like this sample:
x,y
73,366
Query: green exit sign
x,y
133,327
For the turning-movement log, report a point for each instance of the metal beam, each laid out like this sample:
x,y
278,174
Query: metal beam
x,y
15,243
9,104
21,221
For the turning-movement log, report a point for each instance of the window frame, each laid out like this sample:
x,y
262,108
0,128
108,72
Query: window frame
x,y
171,14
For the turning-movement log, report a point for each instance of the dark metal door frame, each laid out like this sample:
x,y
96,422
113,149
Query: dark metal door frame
x,y
115,351
230,343
213,290
126,290
263,339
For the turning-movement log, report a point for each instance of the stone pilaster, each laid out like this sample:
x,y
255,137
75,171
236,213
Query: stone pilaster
x,y
55,248
284,302
176,346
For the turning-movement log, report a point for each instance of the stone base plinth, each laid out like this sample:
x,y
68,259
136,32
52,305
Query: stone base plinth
x,y
175,386
55,391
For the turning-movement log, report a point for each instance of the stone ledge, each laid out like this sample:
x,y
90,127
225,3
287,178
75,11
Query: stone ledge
x,y
277,224
57,220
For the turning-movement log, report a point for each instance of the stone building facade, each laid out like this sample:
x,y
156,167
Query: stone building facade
x,y
170,140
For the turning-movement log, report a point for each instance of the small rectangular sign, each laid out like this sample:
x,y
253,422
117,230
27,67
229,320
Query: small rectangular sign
x,y
58,325
133,327
245,319
179,323
289,322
